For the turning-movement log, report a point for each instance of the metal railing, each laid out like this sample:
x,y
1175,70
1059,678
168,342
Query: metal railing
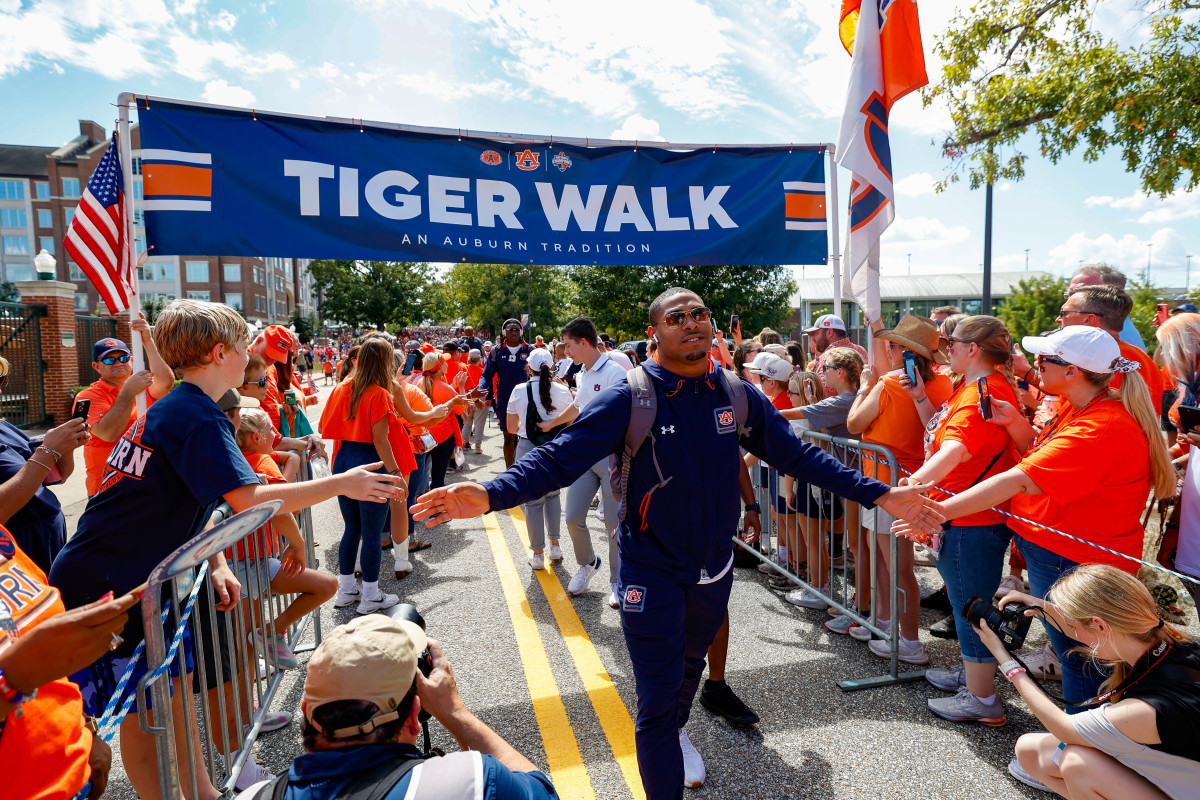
x,y
243,692
23,398
829,522
88,331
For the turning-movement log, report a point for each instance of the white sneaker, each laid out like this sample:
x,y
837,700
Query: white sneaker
x,y
537,561
806,599
613,602
252,772
908,653
864,635
1043,664
581,579
343,599
554,552
265,670
1009,583
372,604
274,720
766,569
693,764
1017,771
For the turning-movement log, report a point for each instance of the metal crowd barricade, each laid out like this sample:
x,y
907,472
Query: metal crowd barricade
x,y
228,718
821,533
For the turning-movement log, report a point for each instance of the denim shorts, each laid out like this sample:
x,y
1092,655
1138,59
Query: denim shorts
x,y
971,562
254,574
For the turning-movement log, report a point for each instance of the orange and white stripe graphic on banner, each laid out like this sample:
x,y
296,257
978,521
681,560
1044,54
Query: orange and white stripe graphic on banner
x,y
176,181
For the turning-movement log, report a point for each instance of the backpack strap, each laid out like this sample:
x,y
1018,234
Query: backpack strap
x,y
735,390
374,784
643,409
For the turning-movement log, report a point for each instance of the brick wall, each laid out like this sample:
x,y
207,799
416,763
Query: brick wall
x,y
62,369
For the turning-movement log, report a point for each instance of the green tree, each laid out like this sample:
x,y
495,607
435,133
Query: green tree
x,y
358,293
9,293
485,295
1034,306
1013,66
616,298
441,305
152,307
302,324
1146,297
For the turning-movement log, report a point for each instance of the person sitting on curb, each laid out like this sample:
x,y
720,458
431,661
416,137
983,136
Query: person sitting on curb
x,y
363,697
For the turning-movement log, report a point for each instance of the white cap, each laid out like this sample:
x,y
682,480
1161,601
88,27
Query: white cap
x,y
832,321
538,358
760,360
773,367
474,353
1088,348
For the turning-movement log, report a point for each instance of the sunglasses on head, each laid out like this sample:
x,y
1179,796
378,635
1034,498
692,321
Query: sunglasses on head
x,y
110,360
674,319
1051,360
261,382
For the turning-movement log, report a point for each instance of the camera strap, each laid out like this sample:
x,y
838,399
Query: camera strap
x,y
1158,653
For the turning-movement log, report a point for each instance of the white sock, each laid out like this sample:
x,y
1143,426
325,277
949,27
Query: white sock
x,y
347,584
371,590
783,553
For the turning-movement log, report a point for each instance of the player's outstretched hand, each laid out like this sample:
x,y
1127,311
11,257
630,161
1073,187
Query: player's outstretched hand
x,y
907,503
460,501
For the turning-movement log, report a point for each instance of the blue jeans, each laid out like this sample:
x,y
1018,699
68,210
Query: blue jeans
x,y
1081,679
971,563
418,484
364,519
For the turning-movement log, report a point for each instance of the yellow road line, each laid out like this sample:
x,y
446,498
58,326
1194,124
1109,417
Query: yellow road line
x,y
562,749
610,708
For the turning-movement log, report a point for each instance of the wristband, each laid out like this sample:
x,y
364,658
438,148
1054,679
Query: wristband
x,y
754,507
53,453
1028,372
33,460
1013,673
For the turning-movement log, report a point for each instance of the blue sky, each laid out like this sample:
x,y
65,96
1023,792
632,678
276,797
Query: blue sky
x,y
734,71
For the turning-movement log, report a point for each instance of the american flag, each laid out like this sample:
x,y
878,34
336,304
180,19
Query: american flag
x,y
96,239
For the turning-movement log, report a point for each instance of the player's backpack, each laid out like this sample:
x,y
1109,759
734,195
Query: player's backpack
x,y
643,410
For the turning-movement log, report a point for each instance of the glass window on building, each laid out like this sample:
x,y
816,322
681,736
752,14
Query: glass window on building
x,y
81,302
158,271
196,271
233,273
76,274
16,246
12,190
45,218
971,307
18,272
13,218
138,192
234,300
68,215
46,243
70,187
42,190
139,217
199,295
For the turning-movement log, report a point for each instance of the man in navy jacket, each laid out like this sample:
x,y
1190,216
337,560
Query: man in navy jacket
x,y
675,544
506,361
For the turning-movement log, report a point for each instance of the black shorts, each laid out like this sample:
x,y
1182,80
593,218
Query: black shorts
x,y
828,507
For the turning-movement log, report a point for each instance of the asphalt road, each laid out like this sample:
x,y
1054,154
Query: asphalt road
x,y
551,674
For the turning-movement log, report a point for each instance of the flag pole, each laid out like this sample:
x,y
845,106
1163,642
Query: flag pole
x,y
124,100
836,256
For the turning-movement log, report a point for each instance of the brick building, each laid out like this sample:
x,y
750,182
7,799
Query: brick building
x,y
40,189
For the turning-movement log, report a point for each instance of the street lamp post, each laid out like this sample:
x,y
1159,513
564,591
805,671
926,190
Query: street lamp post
x,y
47,267
1187,281
1027,259
1149,249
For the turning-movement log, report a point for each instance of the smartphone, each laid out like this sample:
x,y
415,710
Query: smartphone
x,y
910,366
985,399
1189,418
410,362
82,409
733,324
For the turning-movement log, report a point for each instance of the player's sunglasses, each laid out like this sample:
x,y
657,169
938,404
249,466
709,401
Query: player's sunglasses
x,y
261,382
110,360
674,319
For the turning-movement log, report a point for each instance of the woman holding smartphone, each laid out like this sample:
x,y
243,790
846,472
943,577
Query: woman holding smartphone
x,y
965,449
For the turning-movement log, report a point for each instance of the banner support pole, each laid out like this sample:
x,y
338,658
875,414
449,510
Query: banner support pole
x,y
835,257
124,100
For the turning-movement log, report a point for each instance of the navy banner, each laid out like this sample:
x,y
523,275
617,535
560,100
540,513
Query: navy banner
x,y
239,183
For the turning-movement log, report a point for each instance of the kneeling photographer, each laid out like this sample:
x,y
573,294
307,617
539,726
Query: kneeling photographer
x,y
367,687
1141,737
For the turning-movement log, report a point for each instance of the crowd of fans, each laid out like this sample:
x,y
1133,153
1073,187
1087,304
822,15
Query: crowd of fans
x,y
1041,456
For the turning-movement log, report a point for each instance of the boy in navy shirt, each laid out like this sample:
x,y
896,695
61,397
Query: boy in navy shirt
x,y
160,484
507,363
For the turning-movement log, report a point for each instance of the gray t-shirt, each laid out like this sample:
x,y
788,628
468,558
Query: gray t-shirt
x,y
829,415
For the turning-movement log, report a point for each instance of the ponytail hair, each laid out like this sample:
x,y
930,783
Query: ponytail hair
x,y
993,340
1135,396
544,382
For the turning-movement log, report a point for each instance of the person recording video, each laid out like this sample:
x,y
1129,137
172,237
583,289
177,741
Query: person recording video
x,y
1141,736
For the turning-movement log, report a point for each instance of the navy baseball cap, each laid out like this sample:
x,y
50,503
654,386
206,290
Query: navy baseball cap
x,y
106,346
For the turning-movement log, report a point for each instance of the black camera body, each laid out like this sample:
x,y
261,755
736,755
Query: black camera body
x,y
409,613
1009,623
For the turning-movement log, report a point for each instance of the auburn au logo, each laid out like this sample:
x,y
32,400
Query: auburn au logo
x,y
490,157
527,160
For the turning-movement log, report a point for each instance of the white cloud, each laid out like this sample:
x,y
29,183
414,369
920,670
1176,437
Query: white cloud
x,y
223,94
225,20
918,183
1178,205
924,233
1168,252
638,128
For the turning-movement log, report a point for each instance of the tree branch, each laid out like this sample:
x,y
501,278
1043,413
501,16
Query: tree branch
x,y
983,136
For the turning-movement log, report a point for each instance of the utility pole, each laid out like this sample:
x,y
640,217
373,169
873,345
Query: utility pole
x,y
987,247
1027,259
910,263
1149,249
1187,281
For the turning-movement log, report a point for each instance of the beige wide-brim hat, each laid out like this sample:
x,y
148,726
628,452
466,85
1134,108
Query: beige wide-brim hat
x,y
918,334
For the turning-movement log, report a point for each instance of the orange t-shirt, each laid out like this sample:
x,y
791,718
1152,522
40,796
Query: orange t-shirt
x,y
963,423
44,752
264,466
1150,372
1093,467
898,426
375,403
96,451
474,373
274,398
441,392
